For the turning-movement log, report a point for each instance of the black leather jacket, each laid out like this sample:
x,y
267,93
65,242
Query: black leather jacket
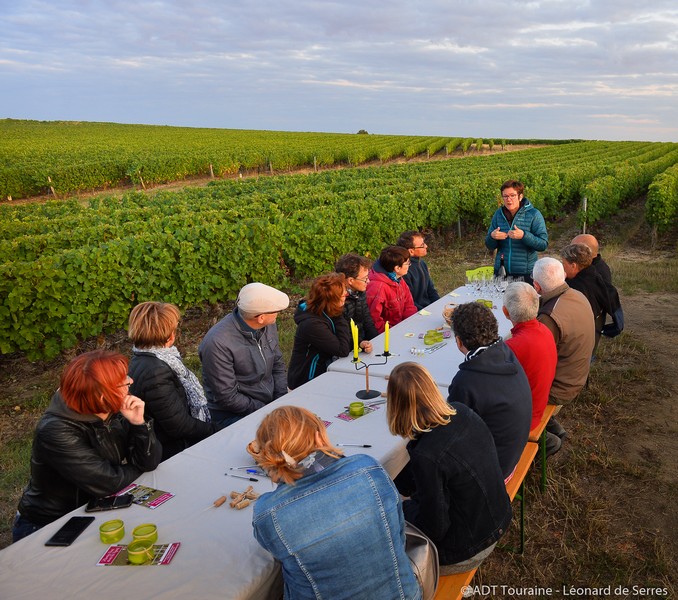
x,y
78,457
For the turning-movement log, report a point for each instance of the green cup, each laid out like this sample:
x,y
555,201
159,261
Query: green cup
x,y
140,552
356,409
431,337
147,531
112,531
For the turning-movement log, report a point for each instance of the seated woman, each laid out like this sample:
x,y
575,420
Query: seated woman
x,y
356,269
173,395
322,332
91,442
458,497
335,523
388,295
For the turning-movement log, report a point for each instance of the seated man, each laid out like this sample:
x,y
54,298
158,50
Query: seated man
x,y
533,345
568,315
356,269
582,276
417,277
616,326
242,365
492,382
598,263
388,296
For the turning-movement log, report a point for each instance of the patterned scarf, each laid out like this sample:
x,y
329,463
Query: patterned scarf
x,y
197,403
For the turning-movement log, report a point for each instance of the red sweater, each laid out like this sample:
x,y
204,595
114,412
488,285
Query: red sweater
x,y
533,345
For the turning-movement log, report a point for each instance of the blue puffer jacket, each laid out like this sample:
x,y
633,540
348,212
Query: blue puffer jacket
x,y
519,255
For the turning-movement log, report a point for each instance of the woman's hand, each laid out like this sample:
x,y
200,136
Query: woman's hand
x,y
366,346
133,409
498,234
516,233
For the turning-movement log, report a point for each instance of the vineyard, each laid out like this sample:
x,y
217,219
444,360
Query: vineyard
x,y
71,270
69,157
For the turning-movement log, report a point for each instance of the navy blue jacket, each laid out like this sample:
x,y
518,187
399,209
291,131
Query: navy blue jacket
x,y
419,281
494,385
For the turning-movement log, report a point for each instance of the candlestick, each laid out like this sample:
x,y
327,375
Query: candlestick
x,y
386,336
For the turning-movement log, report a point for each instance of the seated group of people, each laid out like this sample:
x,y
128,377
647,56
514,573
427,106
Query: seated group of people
x,y
109,421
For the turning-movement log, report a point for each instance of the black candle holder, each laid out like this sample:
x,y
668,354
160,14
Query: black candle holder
x,y
367,393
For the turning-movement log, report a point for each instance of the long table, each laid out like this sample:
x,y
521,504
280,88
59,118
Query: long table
x,y
218,556
405,336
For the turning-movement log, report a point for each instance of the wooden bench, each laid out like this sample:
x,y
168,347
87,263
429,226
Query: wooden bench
x,y
538,435
450,586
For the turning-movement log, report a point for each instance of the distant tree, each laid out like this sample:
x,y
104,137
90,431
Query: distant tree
x,y
362,132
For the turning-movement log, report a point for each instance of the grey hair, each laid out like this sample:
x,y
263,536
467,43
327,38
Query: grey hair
x,y
521,301
548,273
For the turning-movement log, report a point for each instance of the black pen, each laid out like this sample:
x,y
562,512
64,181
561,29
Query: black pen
x,y
357,445
242,477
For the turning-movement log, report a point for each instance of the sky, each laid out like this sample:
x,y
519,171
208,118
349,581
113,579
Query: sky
x,y
546,69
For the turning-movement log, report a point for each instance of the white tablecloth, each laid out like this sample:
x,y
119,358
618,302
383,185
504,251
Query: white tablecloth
x,y
218,557
443,363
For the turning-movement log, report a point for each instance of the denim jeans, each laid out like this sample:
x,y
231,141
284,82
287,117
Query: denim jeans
x,y
22,527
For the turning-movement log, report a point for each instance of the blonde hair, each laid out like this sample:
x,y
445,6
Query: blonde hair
x,y
152,323
285,436
414,403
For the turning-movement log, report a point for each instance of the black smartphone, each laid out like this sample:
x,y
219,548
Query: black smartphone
x,y
109,503
69,531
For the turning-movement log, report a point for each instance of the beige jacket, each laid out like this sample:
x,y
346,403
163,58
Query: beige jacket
x,y
567,313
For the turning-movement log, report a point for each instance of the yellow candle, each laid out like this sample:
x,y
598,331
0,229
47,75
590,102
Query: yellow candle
x,y
386,338
354,332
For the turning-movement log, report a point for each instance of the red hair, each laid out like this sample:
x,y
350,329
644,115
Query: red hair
x,y
326,293
92,382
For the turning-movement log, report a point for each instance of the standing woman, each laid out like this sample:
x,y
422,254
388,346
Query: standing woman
x,y
323,334
91,442
517,232
458,497
335,523
173,395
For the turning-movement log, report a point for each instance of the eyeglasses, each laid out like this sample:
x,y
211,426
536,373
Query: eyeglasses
x,y
365,279
407,263
127,383
507,196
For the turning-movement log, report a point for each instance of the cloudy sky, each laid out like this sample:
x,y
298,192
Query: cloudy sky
x,y
595,69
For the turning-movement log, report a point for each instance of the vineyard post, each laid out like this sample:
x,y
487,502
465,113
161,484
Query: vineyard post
x,y
459,227
270,166
211,171
315,164
584,207
51,187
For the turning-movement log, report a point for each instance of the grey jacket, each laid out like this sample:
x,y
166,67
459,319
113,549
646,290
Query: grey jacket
x,y
240,372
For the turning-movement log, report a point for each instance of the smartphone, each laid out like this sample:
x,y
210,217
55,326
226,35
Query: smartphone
x,y
69,531
109,503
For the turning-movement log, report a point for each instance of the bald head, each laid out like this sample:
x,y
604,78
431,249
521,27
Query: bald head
x,y
588,240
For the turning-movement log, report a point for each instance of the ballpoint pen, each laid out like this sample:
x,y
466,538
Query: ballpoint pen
x,y
357,445
242,477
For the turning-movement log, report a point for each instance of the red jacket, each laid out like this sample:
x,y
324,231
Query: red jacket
x,y
388,300
533,345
